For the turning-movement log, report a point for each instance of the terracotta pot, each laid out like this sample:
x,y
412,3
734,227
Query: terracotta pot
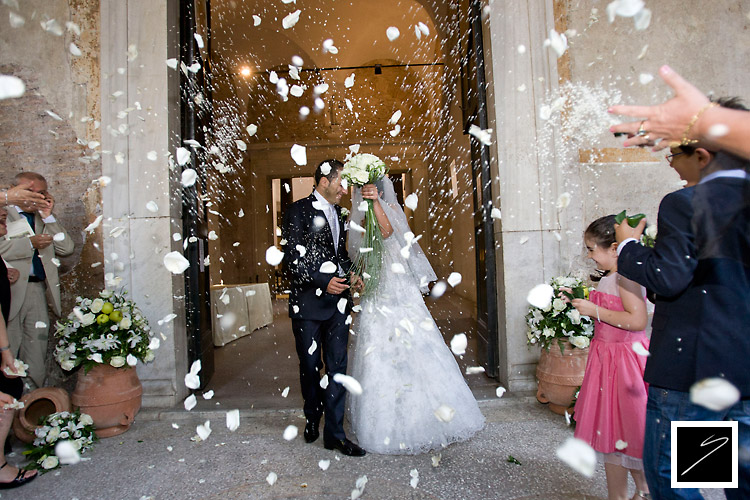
x,y
36,405
112,396
559,375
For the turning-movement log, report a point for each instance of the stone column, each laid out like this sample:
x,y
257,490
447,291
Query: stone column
x,y
140,115
525,187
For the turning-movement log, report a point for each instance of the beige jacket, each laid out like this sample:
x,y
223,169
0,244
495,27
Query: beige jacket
x,y
18,253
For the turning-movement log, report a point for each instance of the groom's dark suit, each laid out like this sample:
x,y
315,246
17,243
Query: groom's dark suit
x,y
314,312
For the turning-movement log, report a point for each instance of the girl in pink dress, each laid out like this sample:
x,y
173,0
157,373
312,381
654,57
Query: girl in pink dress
x,y
610,412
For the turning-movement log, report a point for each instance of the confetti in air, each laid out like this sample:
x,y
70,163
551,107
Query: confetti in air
x,y
578,455
716,394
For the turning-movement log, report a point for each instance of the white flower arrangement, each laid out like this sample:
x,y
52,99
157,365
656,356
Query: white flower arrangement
x,y
560,321
361,169
108,329
77,428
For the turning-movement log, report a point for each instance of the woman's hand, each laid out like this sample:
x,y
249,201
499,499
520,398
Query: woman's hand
x,y
5,399
8,364
562,296
370,192
585,307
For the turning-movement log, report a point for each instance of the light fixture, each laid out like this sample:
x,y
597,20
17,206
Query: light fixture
x,y
245,71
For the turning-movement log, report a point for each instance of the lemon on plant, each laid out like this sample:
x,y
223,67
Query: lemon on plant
x,y
107,308
102,318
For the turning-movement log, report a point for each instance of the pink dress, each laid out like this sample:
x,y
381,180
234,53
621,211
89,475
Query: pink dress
x,y
611,405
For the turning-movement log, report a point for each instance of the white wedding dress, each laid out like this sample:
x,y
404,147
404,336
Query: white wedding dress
x,y
414,398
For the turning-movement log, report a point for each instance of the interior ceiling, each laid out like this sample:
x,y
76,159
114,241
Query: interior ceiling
x,y
357,27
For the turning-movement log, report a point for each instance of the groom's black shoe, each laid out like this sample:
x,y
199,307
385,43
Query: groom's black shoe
x,y
311,431
346,447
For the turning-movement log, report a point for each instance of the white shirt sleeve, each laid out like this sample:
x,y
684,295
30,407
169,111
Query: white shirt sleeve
x,y
622,245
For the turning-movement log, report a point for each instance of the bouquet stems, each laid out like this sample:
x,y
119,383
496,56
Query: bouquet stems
x,y
369,260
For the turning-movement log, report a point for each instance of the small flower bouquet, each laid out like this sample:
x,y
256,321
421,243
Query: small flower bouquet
x,y
77,428
560,321
361,169
106,330
648,238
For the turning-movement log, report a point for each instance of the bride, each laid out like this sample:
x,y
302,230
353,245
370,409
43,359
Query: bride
x,y
414,398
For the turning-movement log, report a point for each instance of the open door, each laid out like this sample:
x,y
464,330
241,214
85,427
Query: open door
x,y
474,106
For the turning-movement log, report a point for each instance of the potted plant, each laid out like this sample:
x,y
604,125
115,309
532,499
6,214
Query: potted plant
x,y
107,336
564,336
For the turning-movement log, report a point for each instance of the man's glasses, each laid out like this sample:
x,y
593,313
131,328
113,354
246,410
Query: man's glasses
x,y
669,157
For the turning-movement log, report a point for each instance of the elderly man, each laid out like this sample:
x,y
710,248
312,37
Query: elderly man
x,y
35,238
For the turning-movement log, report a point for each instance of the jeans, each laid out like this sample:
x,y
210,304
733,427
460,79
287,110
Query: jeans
x,y
665,406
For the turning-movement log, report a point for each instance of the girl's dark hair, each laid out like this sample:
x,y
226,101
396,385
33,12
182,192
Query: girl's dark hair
x,y
602,231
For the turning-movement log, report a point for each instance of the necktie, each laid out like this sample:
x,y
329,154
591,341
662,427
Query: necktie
x,y
37,269
334,223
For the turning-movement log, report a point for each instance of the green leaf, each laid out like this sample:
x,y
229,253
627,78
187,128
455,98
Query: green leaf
x,y
513,460
620,217
633,220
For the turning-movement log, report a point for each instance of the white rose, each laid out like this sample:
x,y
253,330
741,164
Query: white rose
x,y
548,332
575,316
117,361
67,365
88,319
558,305
362,177
86,419
53,434
105,294
96,357
580,341
148,357
125,323
651,231
132,360
96,305
50,462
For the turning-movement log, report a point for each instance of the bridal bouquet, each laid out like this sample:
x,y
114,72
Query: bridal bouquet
x,y
107,329
361,169
559,320
76,428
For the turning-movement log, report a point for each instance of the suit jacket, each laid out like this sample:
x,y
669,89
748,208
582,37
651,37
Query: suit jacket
x,y
305,226
700,272
18,253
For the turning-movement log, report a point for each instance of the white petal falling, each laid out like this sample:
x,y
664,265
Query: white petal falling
x,y
299,154
67,453
715,393
639,349
645,78
411,201
131,360
233,420
290,20
176,263
392,33
459,343
627,8
324,464
320,89
274,256
16,21
198,40
212,235
59,237
483,136
359,487
192,381
423,28
152,156
396,267
642,20
273,77
563,200
444,413
251,129
290,432
438,289
362,207
349,82
297,91
151,206
91,227
341,305
473,370
256,20
414,473
312,348
241,145
285,392
718,130
578,455
350,383
172,63
195,67
190,402
500,391
495,213
621,445
183,156
204,430
11,87
540,296
74,49
302,250
396,130
558,42
208,395
328,267
271,478
324,381
454,279
395,117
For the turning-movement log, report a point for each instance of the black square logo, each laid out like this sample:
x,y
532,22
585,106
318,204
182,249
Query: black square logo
x,y
704,454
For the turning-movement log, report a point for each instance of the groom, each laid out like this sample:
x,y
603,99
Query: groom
x,y
316,259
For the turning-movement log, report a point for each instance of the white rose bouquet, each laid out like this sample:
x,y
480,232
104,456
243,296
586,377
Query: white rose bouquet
x,y
361,169
77,428
560,321
106,330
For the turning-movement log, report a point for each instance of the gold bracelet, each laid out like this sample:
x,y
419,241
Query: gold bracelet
x,y
687,142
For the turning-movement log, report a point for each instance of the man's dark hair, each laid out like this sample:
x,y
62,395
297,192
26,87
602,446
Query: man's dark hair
x,y
336,167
